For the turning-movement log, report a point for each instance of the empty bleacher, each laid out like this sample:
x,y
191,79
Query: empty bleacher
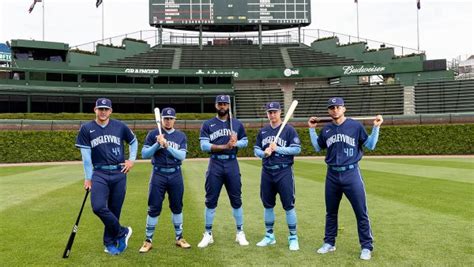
x,y
251,100
152,59
231,57
359,100
305,56
444,97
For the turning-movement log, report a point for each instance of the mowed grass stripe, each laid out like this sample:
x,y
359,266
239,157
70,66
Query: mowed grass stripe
x,y
30,182
458,163
432,172
15,170
405,234
413,169
444,196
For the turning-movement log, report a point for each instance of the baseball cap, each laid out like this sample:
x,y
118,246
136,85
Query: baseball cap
x,y
223,99
272,106
168,113
103,103
335,101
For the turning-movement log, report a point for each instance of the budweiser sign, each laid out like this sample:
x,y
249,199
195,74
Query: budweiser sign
x,y
361,69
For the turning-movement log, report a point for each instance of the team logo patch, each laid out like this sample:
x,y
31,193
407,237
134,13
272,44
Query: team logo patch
x,y
271,105
296,140
103,101
169,111
222,97
333,100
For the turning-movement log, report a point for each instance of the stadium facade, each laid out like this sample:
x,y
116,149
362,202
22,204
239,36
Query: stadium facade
x,y
51,77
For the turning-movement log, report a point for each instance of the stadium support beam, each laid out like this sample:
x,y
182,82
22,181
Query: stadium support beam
x,y
287,88
28,104
200,36
260,36
299,33
409,100
160,36
43,18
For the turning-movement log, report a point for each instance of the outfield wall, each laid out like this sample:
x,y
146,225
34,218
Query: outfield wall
x,y
60,125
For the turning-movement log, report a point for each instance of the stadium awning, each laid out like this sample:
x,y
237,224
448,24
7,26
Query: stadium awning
x,y
5,53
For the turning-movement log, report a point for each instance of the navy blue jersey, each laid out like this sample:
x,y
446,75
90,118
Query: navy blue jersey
x,y
344,142
218,133
288,138
163,157
106,144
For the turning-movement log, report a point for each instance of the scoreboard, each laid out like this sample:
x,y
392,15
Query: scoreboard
x,y
222,15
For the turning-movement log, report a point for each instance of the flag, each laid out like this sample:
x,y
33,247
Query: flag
x,y
33,5
98,3
355,1
418,5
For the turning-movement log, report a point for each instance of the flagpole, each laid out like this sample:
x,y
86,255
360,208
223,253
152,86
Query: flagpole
x,y
43,17
418,30
357,8
103,22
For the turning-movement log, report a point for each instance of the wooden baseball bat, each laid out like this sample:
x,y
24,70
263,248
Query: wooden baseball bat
x,y
287,118
230,119
158,119
329,119
70,241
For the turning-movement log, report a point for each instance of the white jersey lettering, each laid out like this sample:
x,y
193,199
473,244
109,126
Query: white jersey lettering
x,y
173,145
271,139
105,139
340,138
219,133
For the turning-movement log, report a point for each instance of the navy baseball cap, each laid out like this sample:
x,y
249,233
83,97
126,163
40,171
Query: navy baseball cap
x,y
335,101
223,99
272,106
168,113
103,103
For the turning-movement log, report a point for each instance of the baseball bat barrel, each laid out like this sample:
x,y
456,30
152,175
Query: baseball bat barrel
x,y
288,115
158,119
70,241
230,120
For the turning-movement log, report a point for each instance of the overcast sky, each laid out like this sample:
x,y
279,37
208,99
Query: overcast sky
x,y
446,27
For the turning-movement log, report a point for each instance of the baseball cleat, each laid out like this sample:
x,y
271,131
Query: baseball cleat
x,y
123,241
293,242
182,243
146,246
240,238
365,254
268,239
206,240
112,250
326,248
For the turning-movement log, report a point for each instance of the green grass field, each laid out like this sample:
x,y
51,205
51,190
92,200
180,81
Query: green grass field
x,y
421,211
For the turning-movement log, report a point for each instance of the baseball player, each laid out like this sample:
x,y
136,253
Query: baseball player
x,y
102,147
167,151
222,137
277,173
344,139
